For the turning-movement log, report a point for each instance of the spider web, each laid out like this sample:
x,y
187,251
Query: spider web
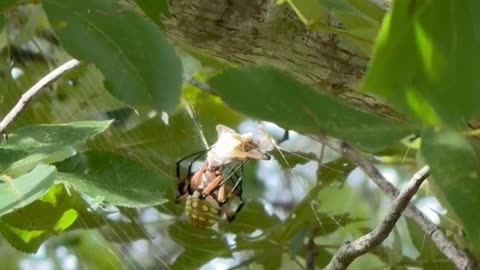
x,y
158,237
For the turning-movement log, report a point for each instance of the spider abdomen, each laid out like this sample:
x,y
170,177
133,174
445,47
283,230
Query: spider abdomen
x,y
202,212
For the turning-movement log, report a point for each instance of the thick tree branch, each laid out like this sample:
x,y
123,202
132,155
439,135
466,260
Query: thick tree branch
x,y
265,33
457,256
33,91
350,251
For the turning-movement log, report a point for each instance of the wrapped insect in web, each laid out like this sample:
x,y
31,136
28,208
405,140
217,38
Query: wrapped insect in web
x,y
208,190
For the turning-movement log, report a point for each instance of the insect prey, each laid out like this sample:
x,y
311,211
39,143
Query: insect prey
x,y
208,190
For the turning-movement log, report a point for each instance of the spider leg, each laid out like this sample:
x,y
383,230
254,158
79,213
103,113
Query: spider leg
x,y
237,187
197,154
184,185
285,137
188,185
237,190
216,183
234,172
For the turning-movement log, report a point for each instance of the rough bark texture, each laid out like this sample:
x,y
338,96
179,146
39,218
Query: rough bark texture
x,y
264,33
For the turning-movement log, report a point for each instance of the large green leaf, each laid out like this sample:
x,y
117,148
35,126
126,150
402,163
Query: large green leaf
x,y
454,162
119,180
31,145
139,65
27,228
19,192
154,9
426,60
200,245
270,95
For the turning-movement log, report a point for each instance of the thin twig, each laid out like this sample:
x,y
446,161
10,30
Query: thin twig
x,y
350,251
32,92
203,87
457,256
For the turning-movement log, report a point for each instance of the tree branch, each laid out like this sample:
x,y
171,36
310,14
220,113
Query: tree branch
x,y
457,256
350,251
33,91
265,33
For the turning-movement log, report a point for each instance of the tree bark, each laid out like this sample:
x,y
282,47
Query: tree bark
x,y
260,32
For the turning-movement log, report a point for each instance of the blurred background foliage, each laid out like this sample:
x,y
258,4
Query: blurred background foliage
x,y
110,206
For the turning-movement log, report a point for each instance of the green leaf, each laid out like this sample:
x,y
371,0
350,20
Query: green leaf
x,y
6,4
119,180
358,22
297,242
31,145
3,21
270,95
430,257
322,257
19,192
93,252
308,11
252,217
139,65
154,9
263,252
130,232
27,228
200,245
454,164
334,171
290,159
418,65
150,143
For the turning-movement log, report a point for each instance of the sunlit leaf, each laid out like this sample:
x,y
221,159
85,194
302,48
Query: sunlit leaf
x,y
455,180
309,11
418,66
119,180
31,145
358,21
267,94
138,73
27,228
19,192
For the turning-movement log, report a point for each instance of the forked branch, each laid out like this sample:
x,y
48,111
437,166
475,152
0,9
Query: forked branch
x,y
33,91
350,251
457,256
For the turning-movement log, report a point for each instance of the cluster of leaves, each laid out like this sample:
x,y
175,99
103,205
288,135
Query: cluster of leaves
x,y
416,67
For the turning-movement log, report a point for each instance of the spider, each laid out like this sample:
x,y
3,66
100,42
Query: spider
x,y
206,191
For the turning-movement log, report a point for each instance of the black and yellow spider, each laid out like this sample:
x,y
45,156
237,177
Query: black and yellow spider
x,y
208,190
